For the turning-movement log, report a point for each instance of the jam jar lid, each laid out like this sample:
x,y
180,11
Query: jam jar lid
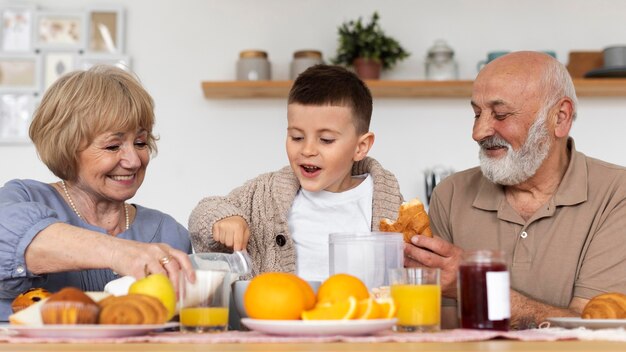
x,y
316,54
245,54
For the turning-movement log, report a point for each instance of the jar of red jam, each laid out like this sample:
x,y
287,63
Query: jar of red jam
x,y
484,291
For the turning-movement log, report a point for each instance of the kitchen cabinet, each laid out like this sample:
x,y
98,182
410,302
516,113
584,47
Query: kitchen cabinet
x,y
606,87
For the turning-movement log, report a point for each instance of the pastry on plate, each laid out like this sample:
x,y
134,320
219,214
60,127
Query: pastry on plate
x,y
606,306
69,306
132,309
29,297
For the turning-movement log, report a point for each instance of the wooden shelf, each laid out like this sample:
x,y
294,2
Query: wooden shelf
x,y
608,87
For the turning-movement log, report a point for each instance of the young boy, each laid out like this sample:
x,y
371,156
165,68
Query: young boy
x,y
283,218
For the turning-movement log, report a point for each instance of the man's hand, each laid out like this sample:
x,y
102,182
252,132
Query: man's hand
x,y
435,253
233,232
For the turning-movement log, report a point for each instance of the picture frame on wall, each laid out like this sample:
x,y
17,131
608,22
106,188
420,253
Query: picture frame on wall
x,y
56,64
106,26
86,61
20,73
17,28
60,30
16,112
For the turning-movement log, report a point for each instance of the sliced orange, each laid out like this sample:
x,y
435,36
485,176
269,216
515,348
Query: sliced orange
x,y
387,308
340,310
368,309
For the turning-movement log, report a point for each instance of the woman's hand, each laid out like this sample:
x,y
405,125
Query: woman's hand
x,y
233,232
435,253
140,259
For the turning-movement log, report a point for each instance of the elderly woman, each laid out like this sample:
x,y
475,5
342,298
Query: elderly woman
x,y
93,130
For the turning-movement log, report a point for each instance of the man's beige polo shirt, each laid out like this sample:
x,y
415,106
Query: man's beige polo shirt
x,y
575,245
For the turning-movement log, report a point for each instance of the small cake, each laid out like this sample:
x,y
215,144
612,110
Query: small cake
x,y
69,306
28,297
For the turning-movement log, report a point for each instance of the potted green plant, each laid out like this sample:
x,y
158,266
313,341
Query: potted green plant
x,y
367,48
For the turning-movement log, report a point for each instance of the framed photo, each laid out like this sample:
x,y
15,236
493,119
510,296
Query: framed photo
x,y
20,73
106,26
56,64
86,61
17,28
60,30
16,111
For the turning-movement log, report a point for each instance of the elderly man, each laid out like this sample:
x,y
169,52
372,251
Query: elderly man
x,y
559,215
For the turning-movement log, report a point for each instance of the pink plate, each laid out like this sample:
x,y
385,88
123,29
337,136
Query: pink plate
x,y
83,331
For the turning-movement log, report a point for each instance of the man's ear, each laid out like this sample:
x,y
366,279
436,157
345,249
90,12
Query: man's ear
x,y
365,143
564,118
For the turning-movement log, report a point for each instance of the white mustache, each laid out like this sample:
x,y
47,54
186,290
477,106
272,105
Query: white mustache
x,y
493,141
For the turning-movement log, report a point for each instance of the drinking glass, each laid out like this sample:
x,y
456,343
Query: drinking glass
x,y
204,304
416,293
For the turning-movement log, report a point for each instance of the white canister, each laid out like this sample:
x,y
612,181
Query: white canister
x,y
253,65
304,59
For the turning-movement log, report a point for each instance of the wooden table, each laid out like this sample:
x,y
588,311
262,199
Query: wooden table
x,y
492,345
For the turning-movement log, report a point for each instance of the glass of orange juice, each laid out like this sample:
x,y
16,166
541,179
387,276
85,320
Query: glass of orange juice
x,y
416,293
204,303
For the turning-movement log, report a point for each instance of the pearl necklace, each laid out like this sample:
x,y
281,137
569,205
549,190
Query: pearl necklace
x,y
67,194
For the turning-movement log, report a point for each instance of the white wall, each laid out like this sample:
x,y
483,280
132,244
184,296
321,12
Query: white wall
x,y
208,147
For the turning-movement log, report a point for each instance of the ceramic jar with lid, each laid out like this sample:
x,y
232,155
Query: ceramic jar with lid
x,y
303,59
253,65
440,63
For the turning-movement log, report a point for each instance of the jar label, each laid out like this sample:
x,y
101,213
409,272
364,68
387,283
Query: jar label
x,y
498,295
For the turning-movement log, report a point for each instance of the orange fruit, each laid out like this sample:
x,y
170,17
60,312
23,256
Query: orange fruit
x,y
387,308
277,296
368,309
339,287
307,291
341,310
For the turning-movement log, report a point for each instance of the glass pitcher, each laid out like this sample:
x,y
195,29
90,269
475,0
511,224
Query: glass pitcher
x,y
237,263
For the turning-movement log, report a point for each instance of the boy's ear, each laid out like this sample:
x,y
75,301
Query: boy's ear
x,y
365,143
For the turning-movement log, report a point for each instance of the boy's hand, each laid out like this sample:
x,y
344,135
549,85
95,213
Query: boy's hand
x,y
233,232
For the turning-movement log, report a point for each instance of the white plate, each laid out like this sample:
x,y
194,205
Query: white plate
x,y
318,327
84,330
588,323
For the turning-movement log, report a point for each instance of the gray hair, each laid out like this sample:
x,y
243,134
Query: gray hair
x,y
558,83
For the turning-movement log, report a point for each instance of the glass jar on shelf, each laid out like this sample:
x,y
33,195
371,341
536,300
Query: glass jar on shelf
x,y
440,63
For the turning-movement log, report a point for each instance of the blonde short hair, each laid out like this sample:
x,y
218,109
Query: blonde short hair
x,y
83,104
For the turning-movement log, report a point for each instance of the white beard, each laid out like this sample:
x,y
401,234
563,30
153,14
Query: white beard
x,y
516,166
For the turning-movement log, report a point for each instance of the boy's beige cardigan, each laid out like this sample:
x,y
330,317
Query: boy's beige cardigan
x,y
265,202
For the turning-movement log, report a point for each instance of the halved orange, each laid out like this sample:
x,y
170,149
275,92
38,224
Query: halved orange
x,y
368,309
340,310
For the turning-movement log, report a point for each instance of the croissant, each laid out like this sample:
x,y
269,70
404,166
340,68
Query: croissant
x,y
412,220
132,309
606,306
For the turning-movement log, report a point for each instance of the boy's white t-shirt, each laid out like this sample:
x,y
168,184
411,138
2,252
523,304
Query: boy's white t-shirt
x,y
315,215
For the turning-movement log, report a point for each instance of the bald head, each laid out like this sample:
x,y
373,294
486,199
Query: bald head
x,y
532,74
